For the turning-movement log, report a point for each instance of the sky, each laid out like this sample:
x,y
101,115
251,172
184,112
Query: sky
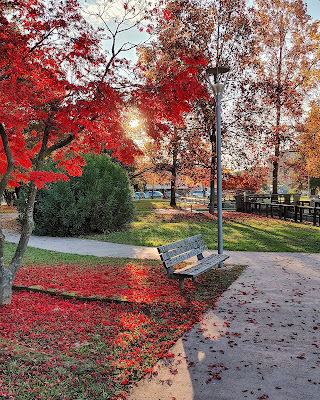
x,y
313,8
112,8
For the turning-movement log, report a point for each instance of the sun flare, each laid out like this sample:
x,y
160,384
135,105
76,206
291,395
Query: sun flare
x,y
134,123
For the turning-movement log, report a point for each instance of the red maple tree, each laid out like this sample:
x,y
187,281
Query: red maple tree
x,y
58,99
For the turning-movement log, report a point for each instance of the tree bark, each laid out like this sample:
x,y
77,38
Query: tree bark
x,y
275,171
10,161
5,276
27,228
6,280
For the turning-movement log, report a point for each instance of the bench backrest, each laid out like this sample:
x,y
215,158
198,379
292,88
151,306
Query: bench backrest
x,y
176,252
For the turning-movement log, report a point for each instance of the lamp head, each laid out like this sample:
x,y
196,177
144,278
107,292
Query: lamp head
x,y
216,71
214,78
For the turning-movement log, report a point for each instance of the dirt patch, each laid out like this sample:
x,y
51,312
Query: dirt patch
x,y
8,220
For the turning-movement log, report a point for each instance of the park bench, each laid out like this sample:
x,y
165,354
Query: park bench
x,y
177,252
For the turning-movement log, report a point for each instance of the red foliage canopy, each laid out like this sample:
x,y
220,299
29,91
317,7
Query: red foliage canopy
x,y
54,100
251,180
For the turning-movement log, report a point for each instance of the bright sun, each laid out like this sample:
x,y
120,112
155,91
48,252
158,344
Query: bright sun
x,y
134,123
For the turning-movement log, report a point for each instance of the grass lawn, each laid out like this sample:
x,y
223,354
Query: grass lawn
x,y
121,317
240,231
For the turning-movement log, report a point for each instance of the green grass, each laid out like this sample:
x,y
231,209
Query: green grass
x,y
35,256
239,232
147,205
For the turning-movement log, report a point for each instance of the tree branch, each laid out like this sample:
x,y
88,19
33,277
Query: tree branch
x,y
44,37
10,160
58,145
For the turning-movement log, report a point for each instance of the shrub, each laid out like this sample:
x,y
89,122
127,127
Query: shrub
x,y
99,201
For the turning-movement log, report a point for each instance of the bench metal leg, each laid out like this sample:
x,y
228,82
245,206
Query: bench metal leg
x,y
181,283
194,279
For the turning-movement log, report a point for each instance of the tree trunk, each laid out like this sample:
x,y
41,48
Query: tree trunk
x,y
8,274
6,280
173,193
275,171
27,228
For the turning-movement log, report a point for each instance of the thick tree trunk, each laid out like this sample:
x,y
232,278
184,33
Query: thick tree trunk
x,y
173,194
7,274
27,228
6,280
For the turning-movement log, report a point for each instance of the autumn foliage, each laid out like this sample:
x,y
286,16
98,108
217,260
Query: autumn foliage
x,y
45,112
59,98
250,180
309,145
102,346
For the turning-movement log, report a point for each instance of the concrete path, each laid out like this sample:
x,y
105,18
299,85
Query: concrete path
x,y
261,342
86,246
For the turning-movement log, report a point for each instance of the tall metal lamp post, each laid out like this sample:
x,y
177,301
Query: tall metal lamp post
x,y
217,84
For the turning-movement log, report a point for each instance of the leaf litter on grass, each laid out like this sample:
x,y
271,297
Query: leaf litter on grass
x,y
96,348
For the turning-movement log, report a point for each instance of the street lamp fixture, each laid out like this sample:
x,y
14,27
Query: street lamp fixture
x,y
217,84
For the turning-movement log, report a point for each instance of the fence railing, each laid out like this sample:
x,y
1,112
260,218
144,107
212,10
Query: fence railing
x,y
287,209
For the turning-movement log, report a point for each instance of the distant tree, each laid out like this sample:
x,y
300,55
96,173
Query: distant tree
x,y
309,141
270,105
251,180
198,34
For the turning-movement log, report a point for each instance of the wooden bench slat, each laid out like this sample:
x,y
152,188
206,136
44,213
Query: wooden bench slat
x,y
185,256
175,252
181,250
179,243
201,266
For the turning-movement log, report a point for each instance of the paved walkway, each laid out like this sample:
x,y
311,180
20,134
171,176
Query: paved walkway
x,y
261,342
86,247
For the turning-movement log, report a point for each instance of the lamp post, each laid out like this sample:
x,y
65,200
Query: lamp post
x,y
214,77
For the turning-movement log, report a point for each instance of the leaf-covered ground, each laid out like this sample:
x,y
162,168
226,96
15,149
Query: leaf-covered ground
x,y
57,348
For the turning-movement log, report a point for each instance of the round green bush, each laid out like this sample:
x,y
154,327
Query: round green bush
x,y
99,201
